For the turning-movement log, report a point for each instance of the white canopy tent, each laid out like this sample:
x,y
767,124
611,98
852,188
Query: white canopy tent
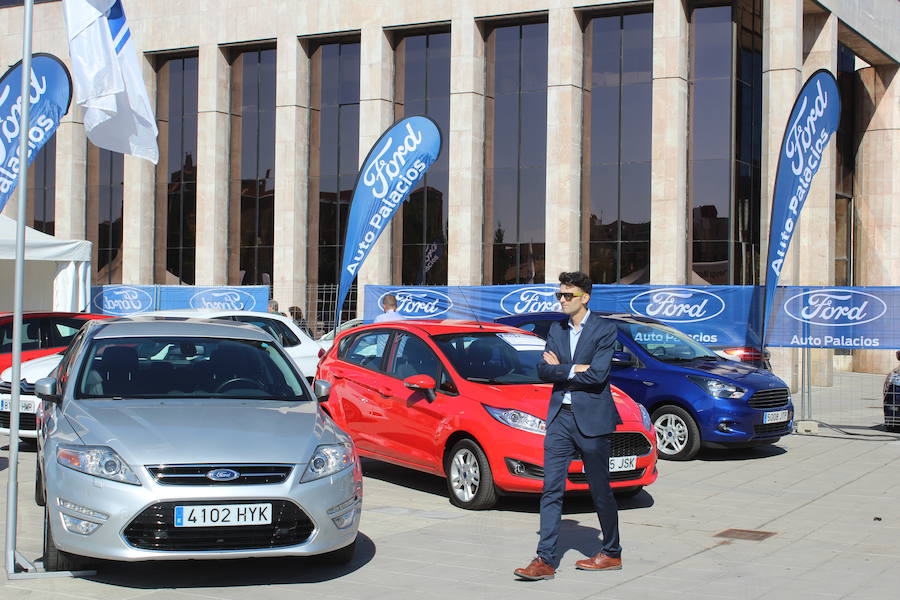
x,y
57,271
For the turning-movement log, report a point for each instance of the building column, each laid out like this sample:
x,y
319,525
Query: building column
x,y
139,198
213,129
782,68
816,228
565,99
376,114
71,170
466,184
669,202
876,190
291,174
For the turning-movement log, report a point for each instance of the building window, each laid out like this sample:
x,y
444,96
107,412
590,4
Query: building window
x,y
725,142
42,188
422,87
845,158
617,142
252,222
105,192
176,216
334,163
516,154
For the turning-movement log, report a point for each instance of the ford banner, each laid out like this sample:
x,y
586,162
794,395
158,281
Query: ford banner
x,y
124,300
813,120
712,315
49,94
393,168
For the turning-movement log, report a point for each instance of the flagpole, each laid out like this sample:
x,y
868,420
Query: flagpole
x,y
15,387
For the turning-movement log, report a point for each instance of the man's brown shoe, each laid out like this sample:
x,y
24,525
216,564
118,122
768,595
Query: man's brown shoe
x,y
538,569
601,562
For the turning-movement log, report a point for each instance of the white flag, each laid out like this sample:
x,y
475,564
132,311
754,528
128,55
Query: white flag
x,y
108,81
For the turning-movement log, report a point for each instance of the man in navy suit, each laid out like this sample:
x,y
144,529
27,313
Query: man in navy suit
x,y
581,418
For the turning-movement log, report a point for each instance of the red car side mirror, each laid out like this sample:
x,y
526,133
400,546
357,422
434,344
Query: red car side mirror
x,y
425,383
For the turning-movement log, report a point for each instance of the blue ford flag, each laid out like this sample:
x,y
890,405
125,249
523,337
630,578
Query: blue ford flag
x,y
813,120
392,169
50,93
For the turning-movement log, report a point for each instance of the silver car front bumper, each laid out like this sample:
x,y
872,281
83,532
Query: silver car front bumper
x,y
123,503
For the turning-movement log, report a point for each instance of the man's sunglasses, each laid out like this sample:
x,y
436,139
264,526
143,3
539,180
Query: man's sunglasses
x,y
568,295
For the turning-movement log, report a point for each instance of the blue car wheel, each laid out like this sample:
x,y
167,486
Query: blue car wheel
x,y
677,434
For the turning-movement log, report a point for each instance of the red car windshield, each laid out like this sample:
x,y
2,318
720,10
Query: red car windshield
x,y
496,358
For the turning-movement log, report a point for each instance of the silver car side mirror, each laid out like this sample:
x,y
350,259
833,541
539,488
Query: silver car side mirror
x,y
45,389
321,388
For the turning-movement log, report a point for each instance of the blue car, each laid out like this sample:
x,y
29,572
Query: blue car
x,y
695,397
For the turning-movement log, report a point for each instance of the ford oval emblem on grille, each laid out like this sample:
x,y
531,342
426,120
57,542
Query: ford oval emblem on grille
x,y
222,475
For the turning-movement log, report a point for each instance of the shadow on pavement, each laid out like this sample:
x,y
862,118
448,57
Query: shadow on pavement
x,y
710,454
227,573
577,502
409,478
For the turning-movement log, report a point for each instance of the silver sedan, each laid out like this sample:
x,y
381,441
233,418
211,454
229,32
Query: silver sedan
x,y
189,439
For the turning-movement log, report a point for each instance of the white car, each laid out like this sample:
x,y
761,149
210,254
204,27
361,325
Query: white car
x,y
328,339
303,350
31,371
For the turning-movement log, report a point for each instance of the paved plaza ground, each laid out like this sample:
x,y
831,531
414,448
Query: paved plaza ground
x,y
831,502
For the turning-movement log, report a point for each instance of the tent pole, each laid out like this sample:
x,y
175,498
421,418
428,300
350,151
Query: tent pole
x,y
24,130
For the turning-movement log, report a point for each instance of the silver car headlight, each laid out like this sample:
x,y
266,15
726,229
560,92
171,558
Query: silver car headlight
x,y
717,387
99,461
645,417
518,419
328,459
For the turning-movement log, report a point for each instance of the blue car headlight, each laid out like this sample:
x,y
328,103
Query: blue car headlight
x,y
718,388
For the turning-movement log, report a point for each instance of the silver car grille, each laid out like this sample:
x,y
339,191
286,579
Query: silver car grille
x,y
219,474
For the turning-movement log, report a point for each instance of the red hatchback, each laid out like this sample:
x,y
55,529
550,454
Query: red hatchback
x,y
462,400
43,333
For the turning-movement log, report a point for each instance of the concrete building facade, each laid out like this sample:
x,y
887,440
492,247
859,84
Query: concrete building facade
x,y
636,140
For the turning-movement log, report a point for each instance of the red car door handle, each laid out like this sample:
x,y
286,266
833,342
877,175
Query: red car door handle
x,y
383,391
339,374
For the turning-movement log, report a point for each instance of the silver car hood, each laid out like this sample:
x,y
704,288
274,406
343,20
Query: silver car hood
x,y
189,431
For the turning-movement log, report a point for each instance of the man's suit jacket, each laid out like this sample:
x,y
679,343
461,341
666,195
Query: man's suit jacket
x,y
592,403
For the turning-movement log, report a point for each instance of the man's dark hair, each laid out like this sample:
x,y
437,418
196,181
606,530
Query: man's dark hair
x,y
577,279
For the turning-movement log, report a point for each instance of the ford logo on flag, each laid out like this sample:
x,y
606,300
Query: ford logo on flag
x,y
835,307
223,299
531,299
415,303
678,305
222,475
122,300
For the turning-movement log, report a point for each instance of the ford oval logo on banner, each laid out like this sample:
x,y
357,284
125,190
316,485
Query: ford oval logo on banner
x,y
531,299
678,305
50,93
223,299
414,303
835,307
122,300
392,169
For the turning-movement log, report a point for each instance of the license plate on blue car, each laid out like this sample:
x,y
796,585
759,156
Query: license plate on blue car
x,y
776,416
223,515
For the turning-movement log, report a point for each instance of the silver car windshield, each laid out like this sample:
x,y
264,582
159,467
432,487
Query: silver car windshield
x,y
495,358
182,367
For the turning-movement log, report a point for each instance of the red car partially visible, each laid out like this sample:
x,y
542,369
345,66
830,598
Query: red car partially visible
x,y
43,333
462,400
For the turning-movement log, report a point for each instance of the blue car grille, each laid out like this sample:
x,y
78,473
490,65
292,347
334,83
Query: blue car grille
x,y
154,529
774,398
772,429
196,474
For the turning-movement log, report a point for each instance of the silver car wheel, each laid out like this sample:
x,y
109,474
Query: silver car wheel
x,y
671,433
465,475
